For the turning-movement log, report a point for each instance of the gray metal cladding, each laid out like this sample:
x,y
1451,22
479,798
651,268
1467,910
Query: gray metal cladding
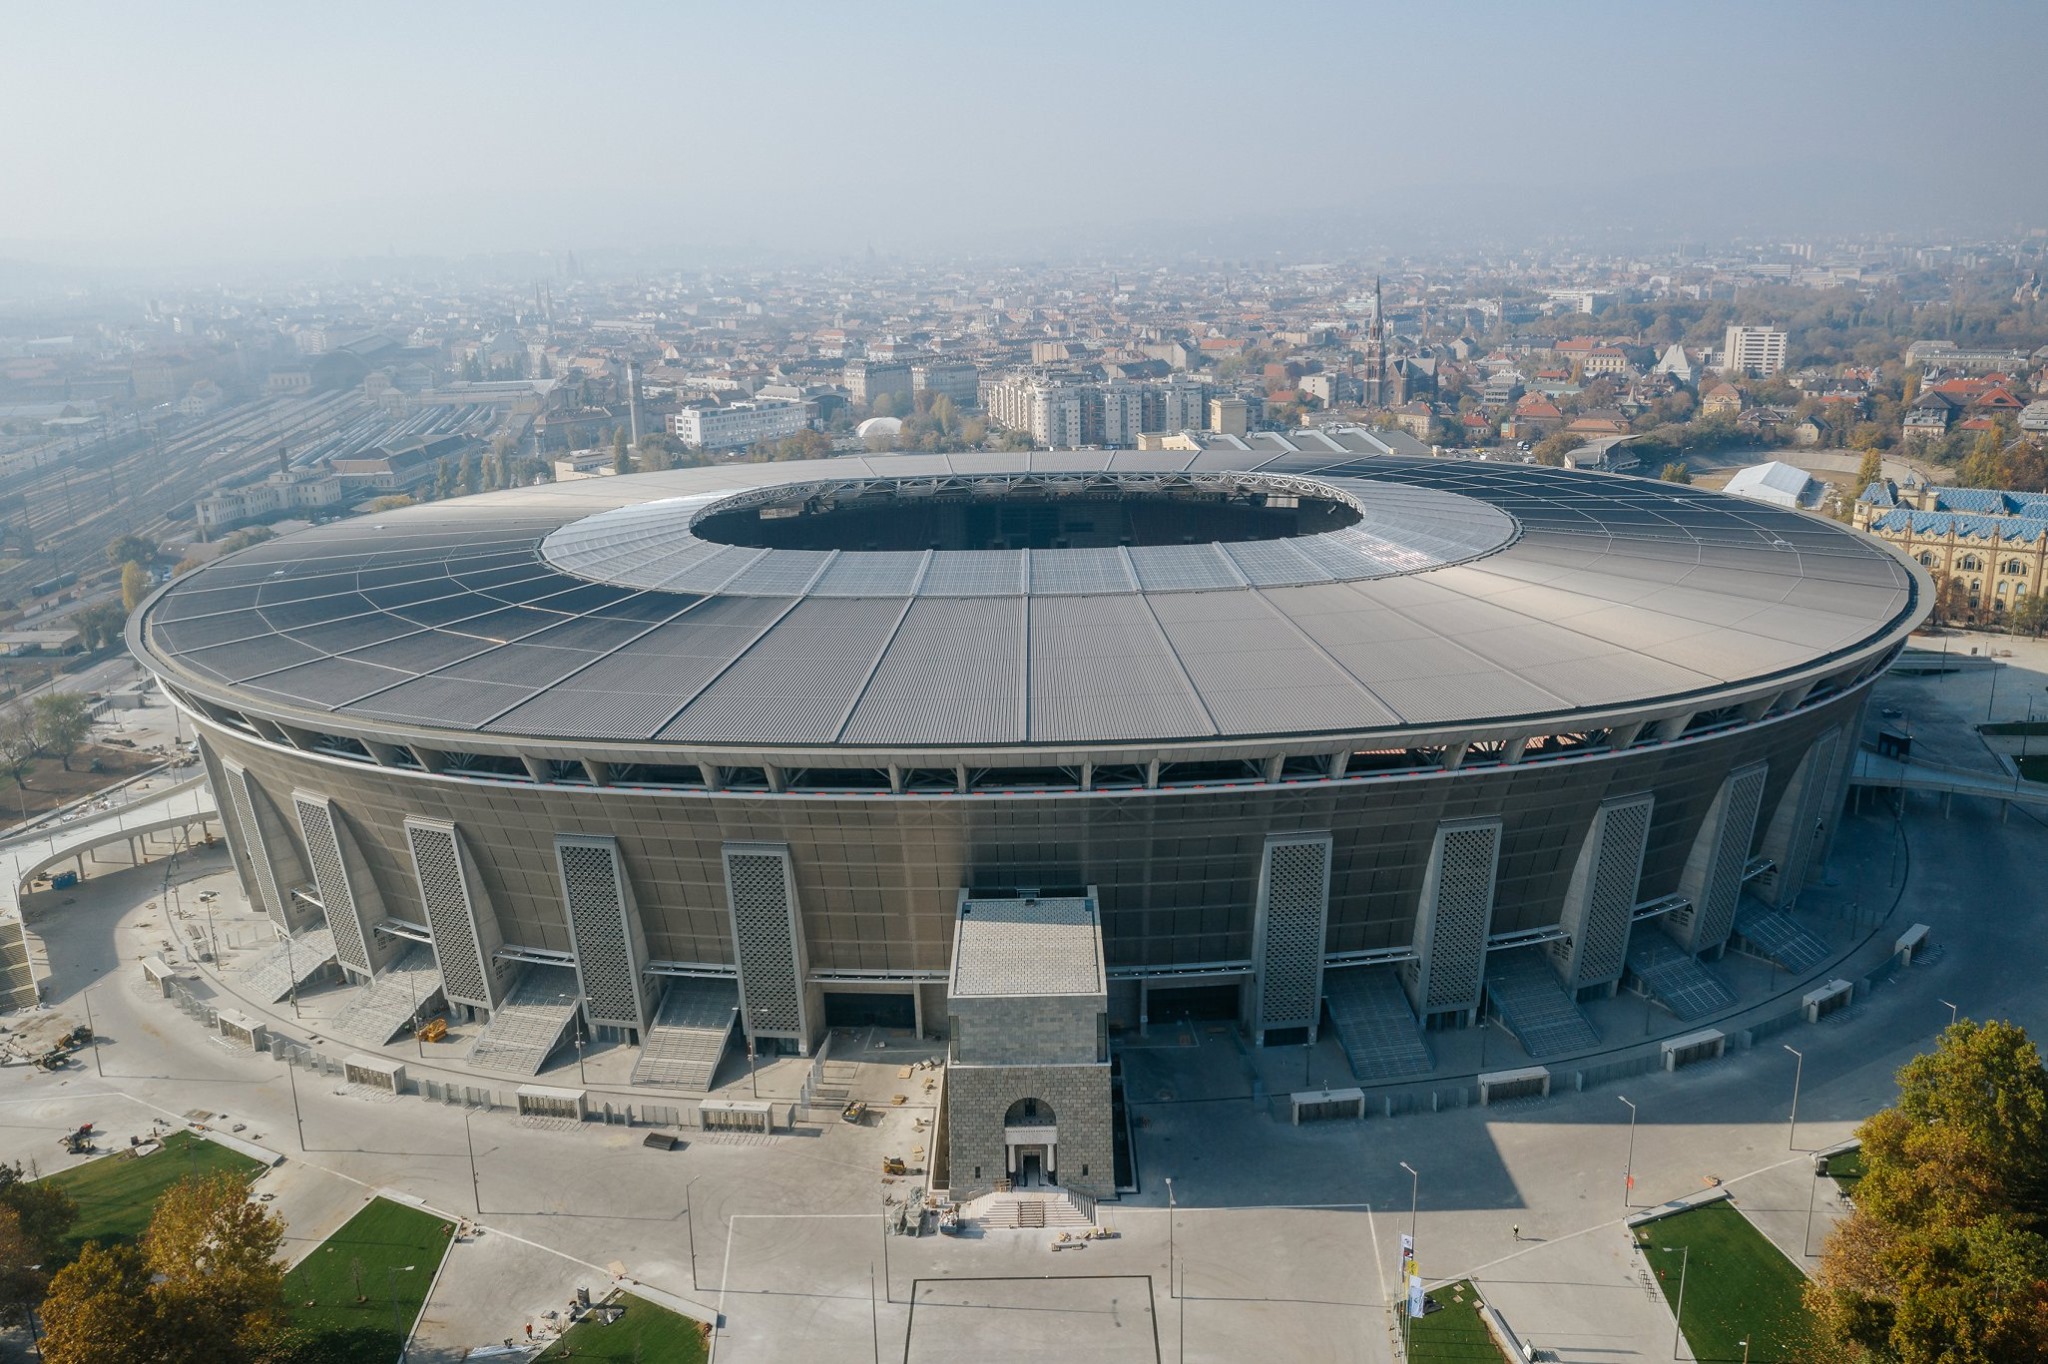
x,y
1713,873
261,845
318,823
1800,822
465,930
767,940
1606,886
798,683
1291,917
1099,666
604,927
1454,918
956,669
1463,593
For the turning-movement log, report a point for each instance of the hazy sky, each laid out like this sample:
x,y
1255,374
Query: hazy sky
x,y
217,132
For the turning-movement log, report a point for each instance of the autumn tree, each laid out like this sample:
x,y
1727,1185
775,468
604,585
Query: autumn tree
x,y
34,1216
98,625
1675,472
622,458
131,549
1869,471
134,585
204,1286
1552,449
1944,1259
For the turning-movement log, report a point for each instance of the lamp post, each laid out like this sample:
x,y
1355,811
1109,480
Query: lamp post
x,y
690,1226
391,1273
1812,1189
1678,1318
291,972
1414,1202
476,1189
886,1291
1170,1290
412,987
1792,1136
1628,1177
85,995
291,1074
1951,1011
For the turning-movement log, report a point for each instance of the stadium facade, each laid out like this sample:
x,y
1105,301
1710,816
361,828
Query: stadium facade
x,y
1267,719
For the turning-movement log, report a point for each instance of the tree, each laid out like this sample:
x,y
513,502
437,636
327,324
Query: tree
x,y
213,1254
389,502
134,585
131,549
1870,471
622,458
18,746
1552,449
63,719
1675,472
33,1219
101,1310
2030,614
1944,1260
98,625
242,539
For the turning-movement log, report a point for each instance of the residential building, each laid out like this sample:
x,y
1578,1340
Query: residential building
x,y
959,381
1186,405
1930,416
1756,351
1228,416
1994,544
868,380
735,426
1682,365
1722,400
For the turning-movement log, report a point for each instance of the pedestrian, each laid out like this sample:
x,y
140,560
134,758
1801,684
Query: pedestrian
x,y
1518,1231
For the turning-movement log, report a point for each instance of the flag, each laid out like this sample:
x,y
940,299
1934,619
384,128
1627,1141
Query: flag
x,y
1414,1295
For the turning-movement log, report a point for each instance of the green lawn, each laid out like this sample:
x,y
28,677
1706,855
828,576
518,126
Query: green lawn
x,y
116,1195
1846,1168
321,1291
663,1336
1739,1286
1454,1335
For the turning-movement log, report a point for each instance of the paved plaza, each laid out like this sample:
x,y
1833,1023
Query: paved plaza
x,y
1282,1239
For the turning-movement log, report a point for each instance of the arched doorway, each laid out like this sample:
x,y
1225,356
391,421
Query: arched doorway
x,y
1031,1143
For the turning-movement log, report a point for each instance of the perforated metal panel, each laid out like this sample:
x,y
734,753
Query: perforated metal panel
x,y
320,826
246,798
1292,914
1796,828
1452,922
604,929
453,900
1600,904
1713,873
767,939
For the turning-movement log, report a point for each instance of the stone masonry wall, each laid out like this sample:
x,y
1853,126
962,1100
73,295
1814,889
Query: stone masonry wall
x,y
977,1097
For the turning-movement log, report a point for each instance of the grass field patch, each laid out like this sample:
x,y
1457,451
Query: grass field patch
x,y
1455,1334
659,1333
1738,1286
399,1249
117,1194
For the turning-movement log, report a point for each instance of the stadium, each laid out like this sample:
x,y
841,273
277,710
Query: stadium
x,y
1030,749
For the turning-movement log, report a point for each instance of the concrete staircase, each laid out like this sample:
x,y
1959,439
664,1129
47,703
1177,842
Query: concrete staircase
x,y
1031,1209
688,1035
286,966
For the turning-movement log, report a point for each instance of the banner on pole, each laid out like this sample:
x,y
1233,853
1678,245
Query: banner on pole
x,y
1414,1295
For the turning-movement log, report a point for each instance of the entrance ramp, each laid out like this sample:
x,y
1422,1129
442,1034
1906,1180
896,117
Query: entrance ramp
x,y
1534,1005
377,1012
1775,936
1676,980
285,967
1374,1024
530,1024
691,1027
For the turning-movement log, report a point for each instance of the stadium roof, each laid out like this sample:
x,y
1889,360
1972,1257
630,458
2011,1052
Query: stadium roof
x,y
1465,593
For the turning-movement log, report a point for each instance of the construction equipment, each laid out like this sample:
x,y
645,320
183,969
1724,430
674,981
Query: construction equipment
x,y
856,1111
54,1059
80,1036
434,1030
894,1165
79,1142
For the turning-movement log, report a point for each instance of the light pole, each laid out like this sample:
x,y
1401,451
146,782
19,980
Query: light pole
x,y
886,1291
578,1039
1792,1136
1745,1350
1628,1178
476,1189
291,1074
1951,1012
391,1273
85,995
1678,1318
1170,1290
690,1226
1812,1189
412,987
291,972
1414,1202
